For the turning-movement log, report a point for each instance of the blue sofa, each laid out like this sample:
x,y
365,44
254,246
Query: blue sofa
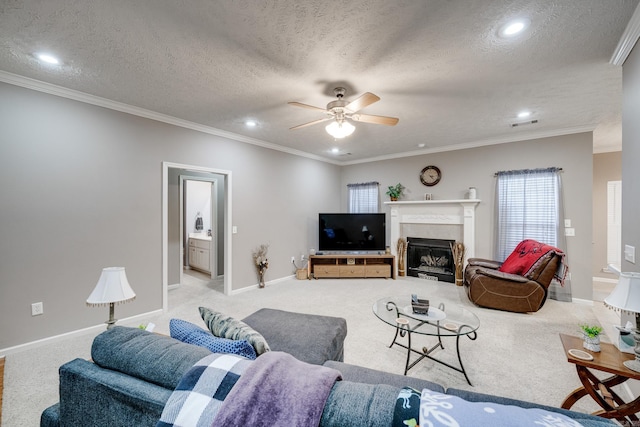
x,y
133,373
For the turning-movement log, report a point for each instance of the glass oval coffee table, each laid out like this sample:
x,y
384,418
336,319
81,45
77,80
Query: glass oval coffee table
x,y
453,321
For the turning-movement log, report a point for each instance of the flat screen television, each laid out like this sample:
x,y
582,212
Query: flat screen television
x,y
351,233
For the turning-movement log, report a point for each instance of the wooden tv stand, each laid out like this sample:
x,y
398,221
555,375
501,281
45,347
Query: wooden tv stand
x,y
351,266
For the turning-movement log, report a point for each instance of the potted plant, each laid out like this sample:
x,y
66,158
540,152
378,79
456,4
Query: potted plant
x,y
591,335
395,191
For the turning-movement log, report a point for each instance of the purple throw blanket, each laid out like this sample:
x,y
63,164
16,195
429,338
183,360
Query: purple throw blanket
x,y
278,390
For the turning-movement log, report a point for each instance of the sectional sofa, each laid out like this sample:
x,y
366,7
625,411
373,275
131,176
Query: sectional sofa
x,y
133,373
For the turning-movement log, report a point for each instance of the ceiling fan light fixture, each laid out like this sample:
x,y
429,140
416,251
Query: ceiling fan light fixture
x,y
340,130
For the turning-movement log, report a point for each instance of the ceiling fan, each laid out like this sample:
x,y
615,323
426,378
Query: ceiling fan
x,y
340,110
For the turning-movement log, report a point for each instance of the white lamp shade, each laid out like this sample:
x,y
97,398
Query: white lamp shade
x,y
112,287
626,295
340,130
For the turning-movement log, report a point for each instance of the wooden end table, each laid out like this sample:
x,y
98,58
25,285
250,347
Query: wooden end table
x,y
610,360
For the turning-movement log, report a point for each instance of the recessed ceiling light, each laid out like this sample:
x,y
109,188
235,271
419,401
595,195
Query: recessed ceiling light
x,y
421,145
49,59
335,150
523,114
514,28
251,123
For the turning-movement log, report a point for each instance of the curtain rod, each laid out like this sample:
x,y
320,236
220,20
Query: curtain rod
x,y
364,183
530,170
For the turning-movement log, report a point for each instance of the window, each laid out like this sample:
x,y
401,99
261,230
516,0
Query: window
x,y
363,198
528,207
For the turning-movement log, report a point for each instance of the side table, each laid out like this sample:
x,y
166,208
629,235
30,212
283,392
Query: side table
x,y
609,360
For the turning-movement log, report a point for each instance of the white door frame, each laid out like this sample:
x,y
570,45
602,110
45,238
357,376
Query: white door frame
x,y
213,251
165,226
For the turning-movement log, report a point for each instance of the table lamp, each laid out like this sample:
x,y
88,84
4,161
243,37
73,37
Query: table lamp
x,y
625,297
112,288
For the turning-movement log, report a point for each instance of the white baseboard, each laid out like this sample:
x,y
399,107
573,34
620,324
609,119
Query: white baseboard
x,y
582,301
268,283
129,321
604,280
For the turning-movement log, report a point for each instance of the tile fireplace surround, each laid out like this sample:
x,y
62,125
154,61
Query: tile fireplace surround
x,y
439,219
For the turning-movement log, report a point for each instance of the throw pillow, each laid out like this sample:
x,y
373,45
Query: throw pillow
x,y
225,326
192,334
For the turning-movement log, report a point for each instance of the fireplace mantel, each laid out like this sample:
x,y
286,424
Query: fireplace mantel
x,y
436,212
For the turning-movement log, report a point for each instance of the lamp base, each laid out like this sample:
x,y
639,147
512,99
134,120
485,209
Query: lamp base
x,y
634,365
111,320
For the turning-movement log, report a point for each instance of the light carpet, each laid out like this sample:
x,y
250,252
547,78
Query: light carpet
x,y
515,355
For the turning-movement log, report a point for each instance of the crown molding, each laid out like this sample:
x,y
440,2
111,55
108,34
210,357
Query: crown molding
x,y
628,39
86,98
481,143
75,95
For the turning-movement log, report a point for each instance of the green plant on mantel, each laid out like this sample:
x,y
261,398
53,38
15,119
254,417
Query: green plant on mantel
x,y
591,331
395,191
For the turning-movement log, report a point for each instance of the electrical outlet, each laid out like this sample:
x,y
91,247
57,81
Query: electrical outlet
x,y
293,259
302,257
37,309
630,253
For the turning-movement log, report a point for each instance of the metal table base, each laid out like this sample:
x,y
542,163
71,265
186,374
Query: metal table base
x,y
403,329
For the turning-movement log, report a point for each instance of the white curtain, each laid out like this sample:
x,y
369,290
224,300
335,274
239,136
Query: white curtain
x,y
529,205
363,198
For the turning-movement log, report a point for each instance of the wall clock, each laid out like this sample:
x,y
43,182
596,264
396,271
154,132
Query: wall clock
x,y
430,176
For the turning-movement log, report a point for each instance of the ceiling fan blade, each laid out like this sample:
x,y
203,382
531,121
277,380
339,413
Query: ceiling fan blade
x,y
365,100
378,120
310,123
311,107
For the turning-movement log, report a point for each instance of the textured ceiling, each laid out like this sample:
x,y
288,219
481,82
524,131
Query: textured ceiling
x,y
438,65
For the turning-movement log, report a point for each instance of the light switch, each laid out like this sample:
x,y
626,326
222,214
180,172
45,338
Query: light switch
x,y
234,229
567,223
630,253
570,232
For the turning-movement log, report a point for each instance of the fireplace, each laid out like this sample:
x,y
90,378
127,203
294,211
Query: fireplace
x,y
441,219
430,259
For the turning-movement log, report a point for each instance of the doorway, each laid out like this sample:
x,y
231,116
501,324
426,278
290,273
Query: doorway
x,y
202,225
172,223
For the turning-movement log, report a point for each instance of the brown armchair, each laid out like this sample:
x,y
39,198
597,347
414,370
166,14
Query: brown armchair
x,y
486,286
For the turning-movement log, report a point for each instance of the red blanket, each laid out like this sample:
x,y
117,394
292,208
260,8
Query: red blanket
x,y
525,255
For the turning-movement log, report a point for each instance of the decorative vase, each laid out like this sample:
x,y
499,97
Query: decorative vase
x,y
401,247
261,278
472,193
591,343
393,199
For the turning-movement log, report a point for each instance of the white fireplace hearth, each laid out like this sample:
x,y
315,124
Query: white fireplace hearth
x,y
440,219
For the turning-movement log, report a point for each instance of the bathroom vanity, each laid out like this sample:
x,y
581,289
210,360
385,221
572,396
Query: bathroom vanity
x,y
200,252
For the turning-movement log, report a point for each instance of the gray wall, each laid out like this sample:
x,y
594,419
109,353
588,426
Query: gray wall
x,y
630,169
631,156
606,167
82,191
476,167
